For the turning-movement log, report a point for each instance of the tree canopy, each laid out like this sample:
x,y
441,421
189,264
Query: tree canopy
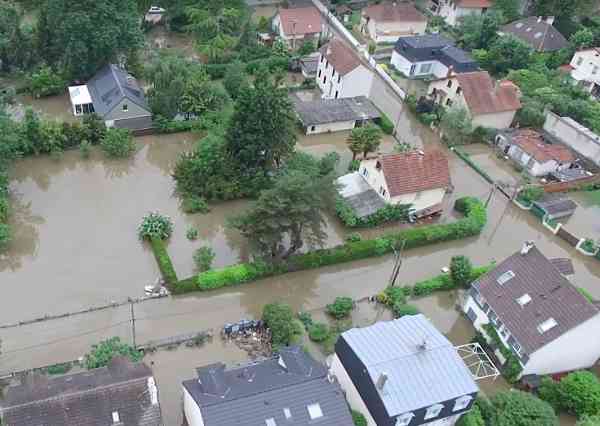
x,y
517,408
364,140
577,393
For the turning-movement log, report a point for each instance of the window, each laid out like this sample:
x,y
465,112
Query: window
x,y
77,109
413,69
547,325
365,172
319,76
425,69
462,402
505,277
479,299
333,74
382,190
503,332
517,347
404,419
314,411
324,79
523,300
449,83
448,102
312,128
115,417
287,413
125,107
458,90
336,94
339,78
271,422
433,411
493,317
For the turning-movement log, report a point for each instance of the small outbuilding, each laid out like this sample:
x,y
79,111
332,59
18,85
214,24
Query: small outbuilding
x,y
332,115
555,208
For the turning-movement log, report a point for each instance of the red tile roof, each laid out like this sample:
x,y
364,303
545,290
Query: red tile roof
x,y
482,97
394,12
474,4
410,172
533,144
341,57
307,20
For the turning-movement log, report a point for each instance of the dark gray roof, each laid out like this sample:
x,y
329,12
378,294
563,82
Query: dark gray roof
x,y
335,110
537,33
564,265
85,399
432,47
557,205
359,195
112,84
552,296
251,394
422,365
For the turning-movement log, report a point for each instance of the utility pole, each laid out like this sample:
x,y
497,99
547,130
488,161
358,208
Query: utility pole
x,y
397,264
492,190
132,322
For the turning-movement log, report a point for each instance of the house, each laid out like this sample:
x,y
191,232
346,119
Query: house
x,y
403,372
537,153
123,393
489,104
332,115
288,388
385,22
537,314
453,10
341,73
297,25
430,56
578,137
585,69
536,32
555,207
115,96
154,15
410,178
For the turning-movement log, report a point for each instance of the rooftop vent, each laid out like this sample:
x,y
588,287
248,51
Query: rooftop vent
x,y
153,390
528,245
381,381
115,417
549,324
524,300
505,277
270,422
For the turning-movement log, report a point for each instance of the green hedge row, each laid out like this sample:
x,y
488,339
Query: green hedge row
x,y
444,282
471,225
387,214
273,63
164,261
467,159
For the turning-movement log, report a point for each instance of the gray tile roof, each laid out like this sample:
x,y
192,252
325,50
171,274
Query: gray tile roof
x,y
112,84
251,394
359,195
557,206
422,365
552,296
335,110
537,33
434,47
84,399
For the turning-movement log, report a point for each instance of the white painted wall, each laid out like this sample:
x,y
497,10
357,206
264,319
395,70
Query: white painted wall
x,y
452,13
404,65
191,410
497,120
330,127
385,32
534,168
573,350
586,64
352,395
355,83
583,142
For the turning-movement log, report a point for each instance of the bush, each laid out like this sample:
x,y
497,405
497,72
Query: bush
x,y
318,332
192,234
46,82
461,271
401,310
231,275
4,235
353,237
518,408
85,149
358,419
386,125
63,368
117,143
280,320
530,194
195,204
102,353
203,258
472,418
306,319
354,166
589,246
589,421
155,225
341,307
164,261
577,393
389,213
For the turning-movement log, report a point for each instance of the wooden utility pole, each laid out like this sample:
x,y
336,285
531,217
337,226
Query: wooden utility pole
x,y
397,264
492,190
132,322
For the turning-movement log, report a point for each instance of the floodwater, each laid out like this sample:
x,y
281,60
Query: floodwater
x,y
499,169
52,108
263,11
585,222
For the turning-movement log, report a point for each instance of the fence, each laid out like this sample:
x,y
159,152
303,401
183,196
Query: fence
x,y
568,237
573,185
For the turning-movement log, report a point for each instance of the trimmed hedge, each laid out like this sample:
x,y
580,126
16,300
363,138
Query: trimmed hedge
x,y
471,225
467,159
164,261
444,282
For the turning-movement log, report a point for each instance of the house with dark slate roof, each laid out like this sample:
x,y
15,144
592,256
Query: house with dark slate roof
x,y
115,96
403,373
537,313
289,388
121,394
537,32
430,56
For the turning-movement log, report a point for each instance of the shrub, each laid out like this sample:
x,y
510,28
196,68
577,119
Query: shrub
x,y
341,307
306,319
353,237
588,245
164,261
117,143
511,369
102,353
438,283
192,234
280,320
461,271
521,409
372,47
589,421
195,204
3,208
59,368
232,275
155,225
203,258
386,125
530,194
389,213
577,393
354,165
4,235
472,418
46,82
85,149
401,310
358,419
318,332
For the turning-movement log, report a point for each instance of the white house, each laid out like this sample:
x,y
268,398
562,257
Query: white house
x,y
581,139
296,25
341,73
288,388
537,154
585,69
415,178
430,56
547,324
385,22
489,104
453,10
403,372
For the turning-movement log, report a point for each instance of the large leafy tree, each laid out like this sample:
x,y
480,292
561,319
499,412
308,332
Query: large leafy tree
x,y
364,140
516,408
457,126
262,130
578,393
478,31
16,48
279,317
505,53
168,78
81,36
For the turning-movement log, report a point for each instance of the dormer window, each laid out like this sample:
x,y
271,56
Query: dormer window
x,y
365,172
404,419
314,411
505,277
524,300
547,325
433,411
115,417
462,403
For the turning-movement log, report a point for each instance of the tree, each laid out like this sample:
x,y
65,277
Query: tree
x,y
478,31
235,79
577,393
589,421
472,418
203,258
168,83
461,270
508,8
582,38
80,37
363,140
457,126
341,307
507,53
45,82
280,320
262,132
564,9
117,143
516,408
16,47
308,47
200,95
103,353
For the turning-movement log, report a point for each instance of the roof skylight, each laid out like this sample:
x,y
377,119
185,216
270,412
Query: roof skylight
x,y
547,325
505,277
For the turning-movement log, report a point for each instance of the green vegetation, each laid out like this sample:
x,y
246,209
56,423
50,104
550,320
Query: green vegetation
x,y
589,245
341,307
163,260
285,329
578,393
363,140
444,282
117,143
530,194
358,419
45,82
472,418
318,332
102,353
461,271
512,367
155,226
589,421
195,204
586,294
456,126
516,408
467,159
57,369
389,213
192,234
386,125
203,258
406,309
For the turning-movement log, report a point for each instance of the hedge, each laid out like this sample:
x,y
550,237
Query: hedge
x,y
389,213
467,159
164,261
471,225
444,282
386,124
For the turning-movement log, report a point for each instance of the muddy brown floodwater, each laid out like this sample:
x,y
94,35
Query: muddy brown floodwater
x,y
75,245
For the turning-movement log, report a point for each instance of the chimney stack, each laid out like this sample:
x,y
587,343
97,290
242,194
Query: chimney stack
x,y
382,380
550,20
528,245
